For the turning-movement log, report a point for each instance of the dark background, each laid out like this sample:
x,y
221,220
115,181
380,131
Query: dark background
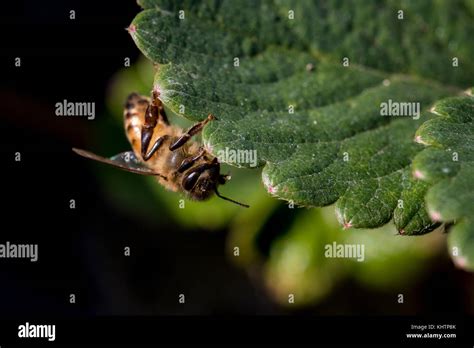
x,y
81,250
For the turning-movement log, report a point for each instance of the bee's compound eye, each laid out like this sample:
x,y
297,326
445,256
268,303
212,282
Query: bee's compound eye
x,y
190,180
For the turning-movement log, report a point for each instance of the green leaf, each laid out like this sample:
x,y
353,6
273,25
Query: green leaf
x,y
278,86
448,163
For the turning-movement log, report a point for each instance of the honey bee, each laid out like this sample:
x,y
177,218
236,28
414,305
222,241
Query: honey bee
x,y
179,163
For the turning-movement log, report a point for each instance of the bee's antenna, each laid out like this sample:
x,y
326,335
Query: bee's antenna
x,y
230,200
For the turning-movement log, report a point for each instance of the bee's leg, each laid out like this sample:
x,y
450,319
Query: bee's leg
x,y
161,110
151,119
155,147
154,113
192,131
188,162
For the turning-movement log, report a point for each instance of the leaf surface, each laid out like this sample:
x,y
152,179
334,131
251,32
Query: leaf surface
x,y
448,164
278,86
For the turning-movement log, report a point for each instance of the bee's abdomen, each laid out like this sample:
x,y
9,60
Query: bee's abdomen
x,y
134,117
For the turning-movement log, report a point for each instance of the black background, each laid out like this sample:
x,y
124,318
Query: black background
x,y
81,250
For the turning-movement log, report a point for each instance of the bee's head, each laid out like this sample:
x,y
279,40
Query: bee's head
x,y
205,186
201,182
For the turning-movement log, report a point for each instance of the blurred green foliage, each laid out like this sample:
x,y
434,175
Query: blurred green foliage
x,y
281,248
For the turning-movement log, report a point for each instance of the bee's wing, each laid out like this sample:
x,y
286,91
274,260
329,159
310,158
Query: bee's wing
x,y
124,160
